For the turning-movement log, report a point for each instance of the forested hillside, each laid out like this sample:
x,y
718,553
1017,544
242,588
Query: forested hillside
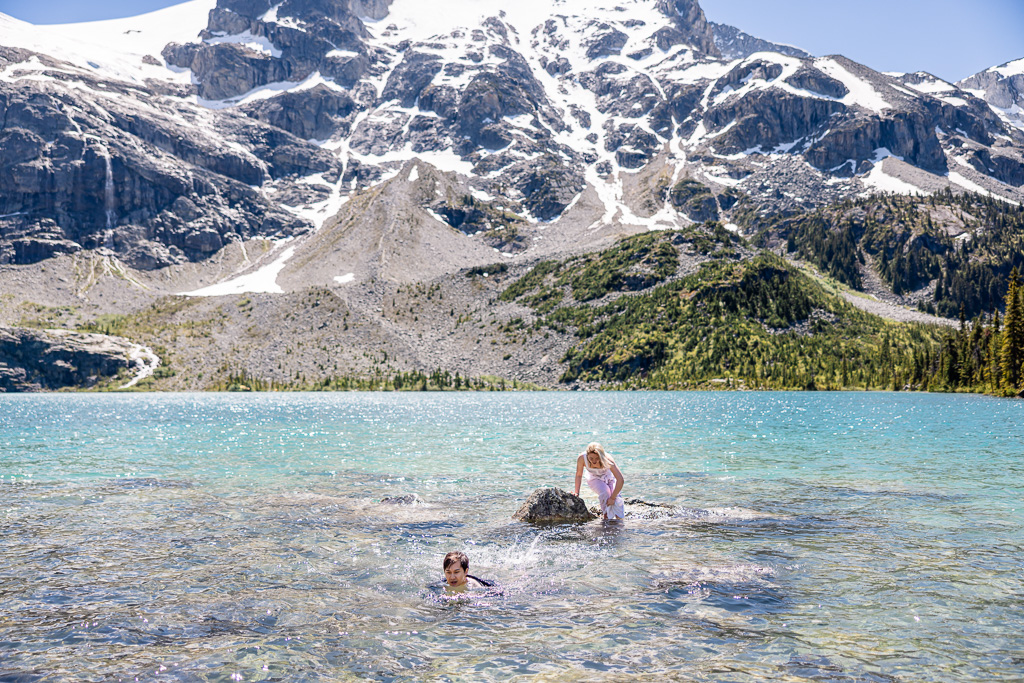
x,y
940,252
744,318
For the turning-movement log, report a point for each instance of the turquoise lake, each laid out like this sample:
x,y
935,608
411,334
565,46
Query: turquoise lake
x,y
214,537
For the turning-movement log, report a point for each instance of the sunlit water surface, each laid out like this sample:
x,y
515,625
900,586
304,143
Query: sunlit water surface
x,y
825,537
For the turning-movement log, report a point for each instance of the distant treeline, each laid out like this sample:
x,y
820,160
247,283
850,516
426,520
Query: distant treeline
x,y
988,357
438,380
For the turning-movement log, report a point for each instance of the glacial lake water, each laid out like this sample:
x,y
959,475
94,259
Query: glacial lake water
x,y
819,537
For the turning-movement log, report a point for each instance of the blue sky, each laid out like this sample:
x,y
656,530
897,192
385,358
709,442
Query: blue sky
x,y
950,38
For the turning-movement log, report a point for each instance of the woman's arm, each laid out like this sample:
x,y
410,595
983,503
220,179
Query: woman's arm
x,y
579,474
619,481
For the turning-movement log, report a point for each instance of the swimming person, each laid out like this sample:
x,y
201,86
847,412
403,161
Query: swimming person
x,y
603,478
456,564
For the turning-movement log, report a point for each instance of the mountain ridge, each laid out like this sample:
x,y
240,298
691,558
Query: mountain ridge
x,y
373,145
501,122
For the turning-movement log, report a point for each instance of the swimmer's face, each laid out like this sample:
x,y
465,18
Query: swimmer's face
x,y
455,575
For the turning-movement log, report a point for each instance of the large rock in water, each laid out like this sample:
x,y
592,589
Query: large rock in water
x,y
553,506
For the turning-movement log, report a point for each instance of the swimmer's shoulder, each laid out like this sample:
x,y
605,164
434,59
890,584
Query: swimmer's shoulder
x,y
478,582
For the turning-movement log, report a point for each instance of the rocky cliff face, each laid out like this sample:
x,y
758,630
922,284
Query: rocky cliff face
x,y
36,360
733,43
282,42
88,164
579,118
691,26
1003,88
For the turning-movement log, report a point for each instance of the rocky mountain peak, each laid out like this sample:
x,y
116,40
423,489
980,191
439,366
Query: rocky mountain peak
x,y
691,23
733,43
577,117
1003,88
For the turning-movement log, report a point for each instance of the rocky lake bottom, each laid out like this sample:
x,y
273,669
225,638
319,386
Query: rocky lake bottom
x,y
813,536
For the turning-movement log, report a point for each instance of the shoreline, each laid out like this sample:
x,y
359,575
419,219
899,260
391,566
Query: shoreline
x,y
693,390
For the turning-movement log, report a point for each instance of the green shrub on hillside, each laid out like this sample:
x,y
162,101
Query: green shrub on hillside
x,y
754,323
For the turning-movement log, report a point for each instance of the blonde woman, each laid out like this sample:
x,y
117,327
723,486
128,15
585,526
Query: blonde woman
x,y
603,478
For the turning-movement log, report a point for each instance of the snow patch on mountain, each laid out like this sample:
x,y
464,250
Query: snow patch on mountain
x,y
879,180
262,281
270,16
420,21
246,39
971,186
1013,115
265,92
114,48
318,213
1014,68
862,93
690,72
931,85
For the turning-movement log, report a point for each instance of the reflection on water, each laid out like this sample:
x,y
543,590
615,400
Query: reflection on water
x,y
300,537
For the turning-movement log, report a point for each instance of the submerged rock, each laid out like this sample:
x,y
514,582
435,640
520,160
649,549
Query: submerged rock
x,y
553,506
411,499
643,503
637,508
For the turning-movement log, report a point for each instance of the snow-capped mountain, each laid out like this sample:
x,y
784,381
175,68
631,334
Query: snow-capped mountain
x,y
167,137
1003,88
733,43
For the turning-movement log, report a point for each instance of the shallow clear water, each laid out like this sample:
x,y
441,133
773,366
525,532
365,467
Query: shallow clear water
x,y
826,537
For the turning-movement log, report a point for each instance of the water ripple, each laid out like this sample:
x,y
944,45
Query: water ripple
x,y
298,537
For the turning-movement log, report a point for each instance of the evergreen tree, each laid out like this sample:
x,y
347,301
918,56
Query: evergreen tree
x,y
977,347
995,370
1013,335
963,351
951,363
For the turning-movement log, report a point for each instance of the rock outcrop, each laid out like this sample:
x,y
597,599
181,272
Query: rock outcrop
x,y
1001,86
695,200
733,43
553,506
40,360
283,42
96,167
691,24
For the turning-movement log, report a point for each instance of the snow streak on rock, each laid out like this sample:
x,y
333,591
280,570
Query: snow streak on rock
x,y
220,122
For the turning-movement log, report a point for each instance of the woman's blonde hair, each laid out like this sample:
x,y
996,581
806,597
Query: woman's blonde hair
x,y
606,460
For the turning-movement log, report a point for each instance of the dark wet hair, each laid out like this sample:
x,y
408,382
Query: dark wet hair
x,y
456,556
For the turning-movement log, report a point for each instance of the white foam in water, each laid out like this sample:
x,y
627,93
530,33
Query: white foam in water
x,y
146,362
728,574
